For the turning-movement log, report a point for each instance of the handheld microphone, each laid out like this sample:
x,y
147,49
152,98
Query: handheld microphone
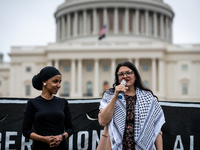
x,y
121,93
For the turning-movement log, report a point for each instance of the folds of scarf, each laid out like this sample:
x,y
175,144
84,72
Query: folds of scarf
x,y
117,124
149,119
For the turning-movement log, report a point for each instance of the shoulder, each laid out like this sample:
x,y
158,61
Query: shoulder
x,y
109,91
62,100
145,95
143,92
33,100
108,94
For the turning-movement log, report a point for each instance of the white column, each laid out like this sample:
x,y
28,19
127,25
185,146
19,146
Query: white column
x,y
73,78
146,22
153,64
94,21
155,24
49,62
136,22
161,77
79,83
63,27
113,67
96,78
137,65
89,23
126,21
116,22
167,28
171,30
75,24
84,22
68,25
161,26
56,63
58,30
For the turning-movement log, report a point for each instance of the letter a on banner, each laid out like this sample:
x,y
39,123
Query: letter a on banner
x,y
178,140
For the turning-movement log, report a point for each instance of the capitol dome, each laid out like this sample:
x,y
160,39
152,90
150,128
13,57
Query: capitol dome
x,y
127,20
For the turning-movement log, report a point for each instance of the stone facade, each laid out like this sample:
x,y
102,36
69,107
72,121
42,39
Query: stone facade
x,y
139,31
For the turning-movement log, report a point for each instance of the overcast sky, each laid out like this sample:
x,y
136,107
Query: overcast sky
x,y
32,23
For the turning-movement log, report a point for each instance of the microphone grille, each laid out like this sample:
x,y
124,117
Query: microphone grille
x,y
123,82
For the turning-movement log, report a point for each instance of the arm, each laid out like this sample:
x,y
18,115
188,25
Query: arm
x,y
159,142
28,119
106,114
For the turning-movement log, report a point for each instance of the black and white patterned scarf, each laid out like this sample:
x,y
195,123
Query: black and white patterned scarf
x,y
149,119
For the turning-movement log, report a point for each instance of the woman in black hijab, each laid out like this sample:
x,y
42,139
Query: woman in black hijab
x,y
50,115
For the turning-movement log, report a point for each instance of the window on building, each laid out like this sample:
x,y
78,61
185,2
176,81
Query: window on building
x,y
66,68
28,90
146,84
105,68
184,88
184,67
145,68
89,68
28,69
89,88
66,88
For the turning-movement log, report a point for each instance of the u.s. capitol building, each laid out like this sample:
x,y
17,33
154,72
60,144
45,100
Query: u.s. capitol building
x,y
139,31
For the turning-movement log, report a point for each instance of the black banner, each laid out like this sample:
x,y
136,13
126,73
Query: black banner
x,y
180,132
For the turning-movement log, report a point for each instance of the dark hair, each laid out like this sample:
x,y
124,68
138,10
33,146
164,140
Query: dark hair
x,y
45,74
138,82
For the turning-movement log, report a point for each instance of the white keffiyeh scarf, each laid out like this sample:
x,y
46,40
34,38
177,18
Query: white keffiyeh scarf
x,y
149,118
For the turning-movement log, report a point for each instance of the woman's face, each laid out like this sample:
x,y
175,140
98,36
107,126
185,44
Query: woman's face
x,y
53,84
125,73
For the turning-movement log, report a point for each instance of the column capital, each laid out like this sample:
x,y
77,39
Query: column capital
x,y
72,59
161,59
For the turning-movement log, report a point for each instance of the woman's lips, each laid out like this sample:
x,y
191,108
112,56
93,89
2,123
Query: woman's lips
x,y
126,80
